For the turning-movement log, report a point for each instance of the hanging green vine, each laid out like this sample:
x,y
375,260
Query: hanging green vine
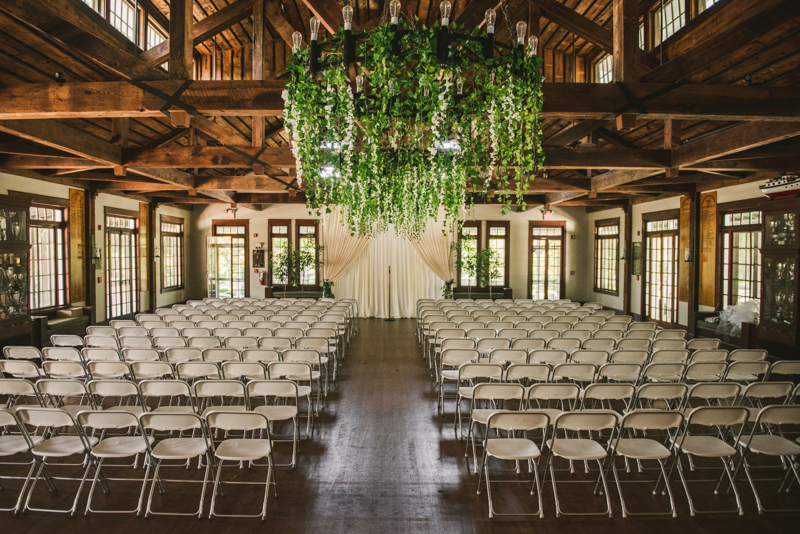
x,y
420,136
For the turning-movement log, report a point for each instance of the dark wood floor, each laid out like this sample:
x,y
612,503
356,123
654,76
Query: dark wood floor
x,y
383,461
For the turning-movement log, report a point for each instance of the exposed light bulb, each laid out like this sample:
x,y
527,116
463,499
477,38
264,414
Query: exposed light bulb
x,y
297,41
391,87
444,10
394,11
359,83
460,86
522,31
347,15
533,45
314,24
490,16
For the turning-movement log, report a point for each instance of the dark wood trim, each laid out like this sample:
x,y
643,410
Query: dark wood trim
x,y
151,265
478,248
658,216
600,224
315,223
694,266
39,200
238,222
751,204
276,222
118,212
507,226
182,236
628,268
540,224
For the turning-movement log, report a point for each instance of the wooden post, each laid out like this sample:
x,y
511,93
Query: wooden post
x,y
181,42
626,40
627,270
672,140
89,269
694,266
258,66
151,265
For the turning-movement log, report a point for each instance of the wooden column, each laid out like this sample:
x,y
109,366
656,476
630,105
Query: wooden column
x,y
627,269
625,48
694,266
90,273
672,140
258,65
181,42
151,265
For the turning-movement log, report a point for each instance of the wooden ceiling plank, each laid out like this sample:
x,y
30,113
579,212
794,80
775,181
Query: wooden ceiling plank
x,y
278,20
63,137
327,12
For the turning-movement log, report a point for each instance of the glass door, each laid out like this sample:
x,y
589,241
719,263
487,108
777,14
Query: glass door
x,y
122,276
661,271
226,266
547,269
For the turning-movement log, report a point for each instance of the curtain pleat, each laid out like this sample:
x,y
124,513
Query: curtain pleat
x,y
434,249
340,247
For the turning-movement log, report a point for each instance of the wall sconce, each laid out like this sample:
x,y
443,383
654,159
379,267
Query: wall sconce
x,y
547,215
230,213
156,251
260,245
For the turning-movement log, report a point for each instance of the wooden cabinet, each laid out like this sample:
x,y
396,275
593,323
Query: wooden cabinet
x,y
780,255
15,251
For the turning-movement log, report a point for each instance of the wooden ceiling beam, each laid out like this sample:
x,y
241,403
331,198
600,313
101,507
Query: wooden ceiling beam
x,y
63,137
239,183
328,13
180,43
26,149
273,10
472,16
247,97
777,164
732,140
270,198
203,30
620,177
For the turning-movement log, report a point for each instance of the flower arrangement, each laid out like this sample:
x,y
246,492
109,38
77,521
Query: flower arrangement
x,y
417,132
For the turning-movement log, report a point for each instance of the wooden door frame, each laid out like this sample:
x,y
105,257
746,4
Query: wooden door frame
x,y
659,216
246,224
541,224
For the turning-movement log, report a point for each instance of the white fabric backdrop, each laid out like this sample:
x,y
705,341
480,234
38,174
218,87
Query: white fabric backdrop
x,y
367,278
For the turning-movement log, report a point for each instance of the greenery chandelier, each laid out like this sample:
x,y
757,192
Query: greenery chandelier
x,y
394,123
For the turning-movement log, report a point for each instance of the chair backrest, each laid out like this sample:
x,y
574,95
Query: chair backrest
x,y
633,344
671,334
174,422
241,325
643,326
302,355
595,420
226,390
184,354
670,356
715,391
257,332
51,418
648,420
62,340
481,333
662,392
487,345
205,342
608,392
195,331
165,342
192,370
139,331
597,357
17,389
502,391
580,335
226,332
705,371
747,371
552,392
241,342
718,416
101,331
457,357
704,343
528,344
101,341
549,356
275,343
784,368
777,415
747,355
567,344
297,370
668,344
607,345
508,355
119,323
142,355
473,371
221,355
709,355
755,392
546,334
60,369
458,344
584,326
630,356
235,370
60,388
538,372
604,333
260,355
136,342
61,354
620,372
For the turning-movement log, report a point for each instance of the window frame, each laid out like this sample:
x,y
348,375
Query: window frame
x,y
478,249
529,275
39,201
604,223
596,66
297,224
181,258
507,240
658,30
651,217
270,234
135,259
754,204
217,223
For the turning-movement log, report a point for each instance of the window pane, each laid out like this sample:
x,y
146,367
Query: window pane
x,y
604,69
122,16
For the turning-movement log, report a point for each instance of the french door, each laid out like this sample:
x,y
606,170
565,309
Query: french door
x,y
122,272
661,271
546,261
227,262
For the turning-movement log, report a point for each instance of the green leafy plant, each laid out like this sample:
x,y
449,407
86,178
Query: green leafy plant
x,y
327,289
488,267
447,289
285,266
420,136
307,259
466,259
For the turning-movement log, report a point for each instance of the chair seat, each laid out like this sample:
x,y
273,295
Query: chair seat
x,y
666,377
771,445
10,445
174,409
741,377
642,449
622,377
578,449
180,448
451,374
466,392
75,409
704,377
303,378
706,446
482,415
277,413
62,446
243,449
120,446
512,449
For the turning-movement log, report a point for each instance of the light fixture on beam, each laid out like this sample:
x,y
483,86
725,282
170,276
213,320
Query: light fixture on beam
x,y
230,213
547,215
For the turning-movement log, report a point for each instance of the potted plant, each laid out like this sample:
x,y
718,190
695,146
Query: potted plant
x,y
488,268
306,258
466,259
447,289
285,264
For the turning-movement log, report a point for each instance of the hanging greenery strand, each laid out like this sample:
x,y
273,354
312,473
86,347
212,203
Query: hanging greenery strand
x,y
417,133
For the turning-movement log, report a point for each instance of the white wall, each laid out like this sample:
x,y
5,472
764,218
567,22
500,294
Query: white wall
x,y
575,247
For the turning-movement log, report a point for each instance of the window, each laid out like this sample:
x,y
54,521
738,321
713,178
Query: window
x,y
231,260
154,35
668,19
122,15
702,5
122,264
661,270
604,69
470,244
546,261
499,242
606,256
171,252
642,38
94,4
307,244
278,248
741,257
48,260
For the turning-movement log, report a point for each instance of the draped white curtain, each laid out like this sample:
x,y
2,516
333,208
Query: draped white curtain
x,y
367,278
434,249
340,248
